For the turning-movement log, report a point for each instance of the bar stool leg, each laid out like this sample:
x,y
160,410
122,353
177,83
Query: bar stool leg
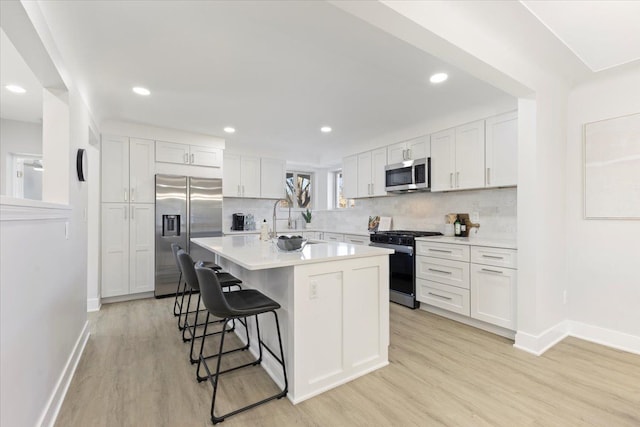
x,y
175,303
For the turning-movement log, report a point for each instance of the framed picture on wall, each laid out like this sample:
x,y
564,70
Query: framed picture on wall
x,y
612,168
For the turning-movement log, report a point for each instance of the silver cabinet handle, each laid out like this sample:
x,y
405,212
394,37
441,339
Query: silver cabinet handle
x,y
186,157
440,271
239,190
440,250
440,296
193,157
372,189
492,271
493,257
408,153
125,195
133,210
132,194
243,191
488,176
451,180
125,213
457,179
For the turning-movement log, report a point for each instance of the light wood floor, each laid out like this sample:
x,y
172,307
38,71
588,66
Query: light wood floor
x,y
135,372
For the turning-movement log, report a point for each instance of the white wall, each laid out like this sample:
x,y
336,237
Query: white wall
x,y
603,255
17,137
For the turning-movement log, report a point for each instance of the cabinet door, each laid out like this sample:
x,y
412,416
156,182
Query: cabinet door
x,y
419,148
378,162
115,169
501,150
493,295
205,156
443,160
356,239
397,153
272,178
172,152
364,174
250,182
141,248
231,176
446,297
141,171
350,177
333,237
115,249
470,156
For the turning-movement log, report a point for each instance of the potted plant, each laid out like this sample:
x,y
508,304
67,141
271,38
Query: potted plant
x,y
307,217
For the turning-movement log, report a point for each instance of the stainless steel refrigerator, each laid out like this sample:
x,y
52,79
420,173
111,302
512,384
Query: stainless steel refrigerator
x,y
186,207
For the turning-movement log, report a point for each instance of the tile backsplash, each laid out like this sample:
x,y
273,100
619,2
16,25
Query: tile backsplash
x,y
409,211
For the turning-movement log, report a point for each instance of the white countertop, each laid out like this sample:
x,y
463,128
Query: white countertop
x,y
474,241
298,231
250,252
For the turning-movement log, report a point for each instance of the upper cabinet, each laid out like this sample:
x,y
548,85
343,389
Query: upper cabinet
x,y
273,174
501,150
457,158
128,170
371,176
196,155
416,148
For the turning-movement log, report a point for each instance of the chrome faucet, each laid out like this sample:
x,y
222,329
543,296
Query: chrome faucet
x,y
274,234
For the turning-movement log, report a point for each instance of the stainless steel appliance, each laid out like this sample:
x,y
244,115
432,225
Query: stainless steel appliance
x,y
237,222
409,175
186,207
402,265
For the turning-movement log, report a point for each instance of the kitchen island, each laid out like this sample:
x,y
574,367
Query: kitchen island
x,y
335,307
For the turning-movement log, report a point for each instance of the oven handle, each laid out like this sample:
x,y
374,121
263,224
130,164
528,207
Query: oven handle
x,y
397,248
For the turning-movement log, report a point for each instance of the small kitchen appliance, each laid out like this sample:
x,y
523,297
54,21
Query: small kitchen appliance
x,y
238,222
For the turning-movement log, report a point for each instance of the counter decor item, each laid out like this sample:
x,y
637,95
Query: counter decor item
x,y
307,218
374,223
264,230
291,243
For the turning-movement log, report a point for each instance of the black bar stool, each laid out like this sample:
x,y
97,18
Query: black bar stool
x,y
230,306
177,306
225,279
188,271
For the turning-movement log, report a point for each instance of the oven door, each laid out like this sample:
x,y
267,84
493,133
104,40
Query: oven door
x,y
402,285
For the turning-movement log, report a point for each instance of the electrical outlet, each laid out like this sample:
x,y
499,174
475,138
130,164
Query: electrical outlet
x,y
313,290
475,217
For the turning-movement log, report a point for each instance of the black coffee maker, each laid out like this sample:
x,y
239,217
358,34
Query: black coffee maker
x,y
238,222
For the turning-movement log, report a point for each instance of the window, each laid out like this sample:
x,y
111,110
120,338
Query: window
x,y
299,189
339,202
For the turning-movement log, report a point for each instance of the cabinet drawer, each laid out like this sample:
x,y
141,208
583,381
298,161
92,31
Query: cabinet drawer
x,y
333,237
443,296
356,240
455,273
443,250
494,256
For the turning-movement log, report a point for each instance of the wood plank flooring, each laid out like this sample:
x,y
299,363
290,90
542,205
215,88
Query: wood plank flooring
x,y
135,372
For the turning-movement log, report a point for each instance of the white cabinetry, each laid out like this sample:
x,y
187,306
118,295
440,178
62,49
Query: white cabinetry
x,y
473,281
172,152
128,170
356,239
333,237
350,177
457,158
501,150
416,148
371,175
273,174
127,248
493,286
241,176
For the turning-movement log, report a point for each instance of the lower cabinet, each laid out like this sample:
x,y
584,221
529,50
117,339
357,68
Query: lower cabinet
x,y
356,239
128,253
479,282
333,237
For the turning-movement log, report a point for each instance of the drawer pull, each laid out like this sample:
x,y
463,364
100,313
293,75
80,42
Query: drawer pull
x,y
440,296
492,256
440,250
492,271
440,271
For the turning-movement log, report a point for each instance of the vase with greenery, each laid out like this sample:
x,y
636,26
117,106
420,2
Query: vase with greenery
x,y
307,218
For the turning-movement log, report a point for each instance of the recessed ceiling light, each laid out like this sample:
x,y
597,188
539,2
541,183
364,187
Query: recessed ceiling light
x,y
141,91
325,129
15,88
438,78
229,129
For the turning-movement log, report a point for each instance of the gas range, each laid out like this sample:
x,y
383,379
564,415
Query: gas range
x,y
400,237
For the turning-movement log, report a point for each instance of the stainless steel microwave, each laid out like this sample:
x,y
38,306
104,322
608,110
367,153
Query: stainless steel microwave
x,y
408,175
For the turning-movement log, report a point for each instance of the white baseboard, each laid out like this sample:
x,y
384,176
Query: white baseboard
x,y
93,304
51,410
538,344
607,337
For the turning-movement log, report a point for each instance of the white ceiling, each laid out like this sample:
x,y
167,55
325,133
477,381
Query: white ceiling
x,y
603,34
276,71
25,107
